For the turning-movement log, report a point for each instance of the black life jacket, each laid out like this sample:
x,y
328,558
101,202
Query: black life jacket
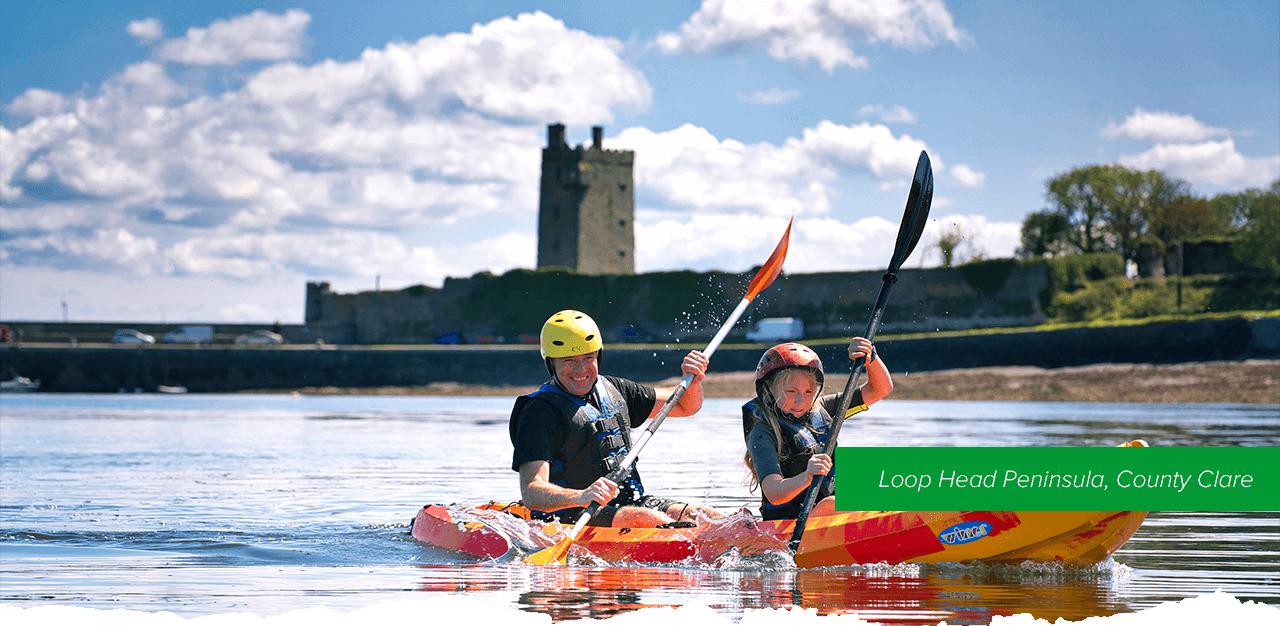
x,y
596,440
797,442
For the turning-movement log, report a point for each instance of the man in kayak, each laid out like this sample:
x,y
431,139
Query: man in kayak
x,y
576,428
788,420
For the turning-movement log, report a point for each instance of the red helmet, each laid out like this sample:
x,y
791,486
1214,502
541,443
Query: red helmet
x,y
785,355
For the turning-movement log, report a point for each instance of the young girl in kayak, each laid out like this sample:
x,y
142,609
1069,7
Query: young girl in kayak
x,y
786,425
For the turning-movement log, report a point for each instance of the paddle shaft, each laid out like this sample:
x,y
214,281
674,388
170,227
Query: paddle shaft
x,y
765,277
621,472
762,279
846,398
914,218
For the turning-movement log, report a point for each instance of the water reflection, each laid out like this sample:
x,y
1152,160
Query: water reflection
x,y
891,595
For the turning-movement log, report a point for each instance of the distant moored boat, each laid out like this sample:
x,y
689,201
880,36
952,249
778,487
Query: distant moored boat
x,y
19,384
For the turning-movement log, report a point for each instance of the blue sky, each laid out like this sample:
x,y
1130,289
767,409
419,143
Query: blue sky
x,y
201,161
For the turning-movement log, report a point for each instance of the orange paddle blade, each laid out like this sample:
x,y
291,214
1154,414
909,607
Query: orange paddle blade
x,y
772,267
558,553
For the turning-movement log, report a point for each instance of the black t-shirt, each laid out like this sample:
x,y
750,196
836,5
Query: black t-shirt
x,y
540,430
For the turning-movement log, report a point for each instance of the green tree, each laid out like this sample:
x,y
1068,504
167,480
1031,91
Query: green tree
x,y
1044,233
1133,206
1256,215
1102,208
1189,217
1081,197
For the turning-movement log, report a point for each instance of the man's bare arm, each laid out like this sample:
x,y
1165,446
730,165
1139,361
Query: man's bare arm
x,y
539,493
694,363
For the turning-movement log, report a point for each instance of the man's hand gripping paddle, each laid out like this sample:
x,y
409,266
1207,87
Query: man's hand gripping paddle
x,y
913,221
768,272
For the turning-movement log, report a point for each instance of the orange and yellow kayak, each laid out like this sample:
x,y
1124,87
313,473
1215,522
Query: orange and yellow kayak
x,y
1076,538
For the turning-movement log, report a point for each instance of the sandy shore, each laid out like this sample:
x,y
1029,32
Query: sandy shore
x,y
1246,382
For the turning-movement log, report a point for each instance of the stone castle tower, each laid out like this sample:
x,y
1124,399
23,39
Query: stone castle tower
x,y
586,211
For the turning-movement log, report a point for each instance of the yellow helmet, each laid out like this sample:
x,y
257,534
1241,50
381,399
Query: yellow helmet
x,y
569,333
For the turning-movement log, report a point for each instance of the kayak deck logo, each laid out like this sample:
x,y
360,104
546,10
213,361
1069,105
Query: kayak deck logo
x,y
964,533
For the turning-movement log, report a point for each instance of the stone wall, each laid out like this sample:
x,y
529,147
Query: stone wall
x,y
684,306
109,368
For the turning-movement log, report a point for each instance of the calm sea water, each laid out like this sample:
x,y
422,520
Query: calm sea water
x,y
202,504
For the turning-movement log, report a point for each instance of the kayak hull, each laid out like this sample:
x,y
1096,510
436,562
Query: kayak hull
x,y
1073,538
434,526
1077,538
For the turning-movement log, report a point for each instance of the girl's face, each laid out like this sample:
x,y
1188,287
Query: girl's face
x,y
794,392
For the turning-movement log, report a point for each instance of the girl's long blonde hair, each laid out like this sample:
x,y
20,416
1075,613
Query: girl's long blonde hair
x,y
769,407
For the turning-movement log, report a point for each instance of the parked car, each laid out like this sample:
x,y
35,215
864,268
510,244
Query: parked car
x,y
260,337
776,329
190,334
129,335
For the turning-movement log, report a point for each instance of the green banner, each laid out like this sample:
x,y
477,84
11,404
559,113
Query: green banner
x,y
1057,479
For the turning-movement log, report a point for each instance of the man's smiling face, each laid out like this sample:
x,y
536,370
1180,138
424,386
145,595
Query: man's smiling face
x,y
577,374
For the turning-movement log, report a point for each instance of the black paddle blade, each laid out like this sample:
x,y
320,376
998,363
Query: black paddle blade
x,y
916,214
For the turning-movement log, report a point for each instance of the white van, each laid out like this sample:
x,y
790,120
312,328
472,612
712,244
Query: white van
x,y
776,329
190,334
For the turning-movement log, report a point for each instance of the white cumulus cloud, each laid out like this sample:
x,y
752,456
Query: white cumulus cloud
x,y
528,68
1185,148
257,36
1162,126
38,102
105,249
332,169
737,243
416,161
773,95
688,168
497,254
825,31
889,115
981,238
1214,162
146,32
870,147
966,176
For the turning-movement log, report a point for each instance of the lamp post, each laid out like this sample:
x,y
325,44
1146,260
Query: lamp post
x,y
1180,275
